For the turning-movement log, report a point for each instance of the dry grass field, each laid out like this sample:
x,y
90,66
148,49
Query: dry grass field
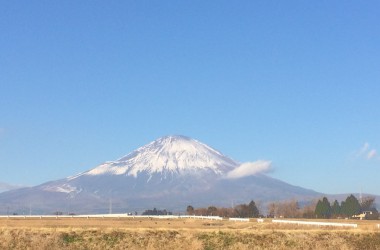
x,y
145,233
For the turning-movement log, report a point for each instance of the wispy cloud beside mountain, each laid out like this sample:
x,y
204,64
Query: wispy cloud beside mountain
x,y
250,168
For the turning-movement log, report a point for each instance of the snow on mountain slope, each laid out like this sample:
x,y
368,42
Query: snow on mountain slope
x,y
171,172
170,154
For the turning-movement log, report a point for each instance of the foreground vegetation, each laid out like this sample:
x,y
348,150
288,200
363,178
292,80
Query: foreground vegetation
x,y
179,234
174,239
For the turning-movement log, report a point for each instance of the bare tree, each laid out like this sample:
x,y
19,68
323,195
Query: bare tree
x,y
368,203
272,210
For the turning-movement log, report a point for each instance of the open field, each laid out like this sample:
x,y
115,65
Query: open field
x,y
152,233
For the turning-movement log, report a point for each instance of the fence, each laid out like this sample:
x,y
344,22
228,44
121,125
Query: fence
x,y
316,223
239,219
113,216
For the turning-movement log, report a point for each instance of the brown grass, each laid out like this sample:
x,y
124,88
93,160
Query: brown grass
x,y
128,233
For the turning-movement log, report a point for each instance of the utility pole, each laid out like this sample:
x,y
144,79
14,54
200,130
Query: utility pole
x,y
110,207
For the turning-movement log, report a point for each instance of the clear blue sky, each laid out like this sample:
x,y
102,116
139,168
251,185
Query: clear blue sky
x,y
293,82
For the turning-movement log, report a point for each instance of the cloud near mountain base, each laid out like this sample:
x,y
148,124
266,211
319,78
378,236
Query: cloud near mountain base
x,y
250,168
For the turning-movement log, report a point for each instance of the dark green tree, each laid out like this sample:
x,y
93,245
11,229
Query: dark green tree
x,y
318,209
247,211
335,209
350,206
343,208
253,211
156,211
323,209
211,210
190,210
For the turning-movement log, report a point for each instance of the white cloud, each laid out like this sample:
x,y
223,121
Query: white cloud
x,y
364,149
371,154
367,152
250,168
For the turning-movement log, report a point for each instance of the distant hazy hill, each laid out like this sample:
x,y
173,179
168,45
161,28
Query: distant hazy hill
x,y
6,187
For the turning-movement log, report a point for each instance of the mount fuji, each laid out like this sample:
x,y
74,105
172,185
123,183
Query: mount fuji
x,y
170,172
168,157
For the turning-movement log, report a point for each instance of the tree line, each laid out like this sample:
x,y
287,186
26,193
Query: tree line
x,y
156,211
249,210
292,209
347,208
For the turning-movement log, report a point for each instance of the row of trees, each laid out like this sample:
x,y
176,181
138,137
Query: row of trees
x,y
156,211
292,209
351,206
249,210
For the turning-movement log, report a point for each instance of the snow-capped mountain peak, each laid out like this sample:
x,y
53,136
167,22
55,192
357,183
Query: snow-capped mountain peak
x,y
169,154
171,172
